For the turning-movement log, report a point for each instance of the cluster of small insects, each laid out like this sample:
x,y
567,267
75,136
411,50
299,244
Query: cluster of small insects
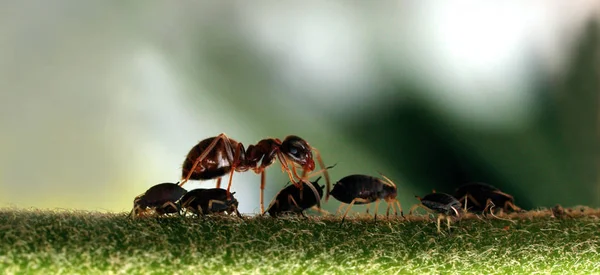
x,y
215,157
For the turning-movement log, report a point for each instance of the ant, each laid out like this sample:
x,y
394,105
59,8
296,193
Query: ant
x,y
363,189
214,157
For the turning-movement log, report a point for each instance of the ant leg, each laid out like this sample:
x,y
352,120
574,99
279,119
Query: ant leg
x,y
302,179
439,219
327,180
219,182
292,172
262,190
315,173
285,166
233,159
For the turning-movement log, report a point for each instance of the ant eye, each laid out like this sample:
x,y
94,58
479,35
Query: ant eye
x,y
293,150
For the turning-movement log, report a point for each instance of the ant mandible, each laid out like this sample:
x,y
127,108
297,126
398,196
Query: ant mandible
x,y
216,156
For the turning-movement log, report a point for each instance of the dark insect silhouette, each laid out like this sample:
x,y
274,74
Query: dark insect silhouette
x,y
207,201
292,199
216,156
481,197
445,205
363,189
162,198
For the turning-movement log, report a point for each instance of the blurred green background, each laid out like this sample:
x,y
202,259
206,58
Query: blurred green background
x,y
101,100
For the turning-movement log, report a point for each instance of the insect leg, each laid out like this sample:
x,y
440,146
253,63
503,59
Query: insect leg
x,y
219,182
237,212
210,204
387,211
273,202
376,209
204,154
488,205
400,208
323,212
339,208
262,190
350,206
513,206
322,164
235,160
169,204
473,200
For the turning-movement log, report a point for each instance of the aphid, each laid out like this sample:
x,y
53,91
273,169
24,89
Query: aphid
x,y
444,204
208,201
479,197
216,156
291,199
162,198
363,189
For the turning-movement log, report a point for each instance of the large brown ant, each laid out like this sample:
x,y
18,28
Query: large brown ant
x,y
216,156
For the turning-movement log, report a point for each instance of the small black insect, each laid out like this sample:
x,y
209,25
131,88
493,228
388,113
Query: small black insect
x,y
163,198
444,204
479,197
292,199
207,201
363,189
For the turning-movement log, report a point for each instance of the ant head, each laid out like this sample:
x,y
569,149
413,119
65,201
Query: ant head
x,y
297,150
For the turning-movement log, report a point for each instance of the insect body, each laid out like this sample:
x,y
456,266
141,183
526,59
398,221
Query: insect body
x,y
162,198
363,189
207,201
216,156
444,204
292,199
479,197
